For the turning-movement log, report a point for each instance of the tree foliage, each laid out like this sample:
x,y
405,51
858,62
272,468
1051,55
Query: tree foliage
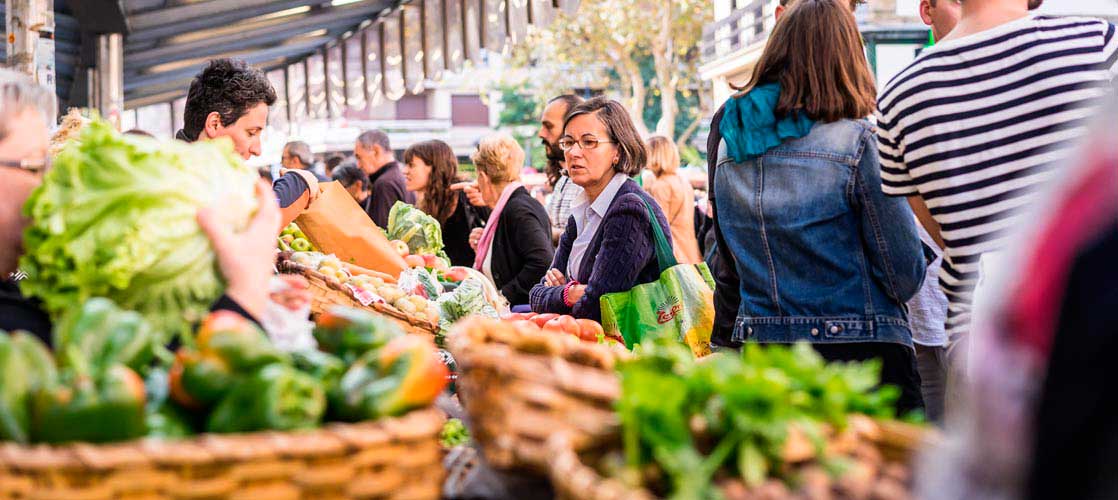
x,y
638,50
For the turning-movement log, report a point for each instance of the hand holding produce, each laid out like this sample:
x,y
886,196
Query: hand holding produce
x,y
245,257
115,218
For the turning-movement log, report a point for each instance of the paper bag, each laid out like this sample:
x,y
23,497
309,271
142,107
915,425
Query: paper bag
x,y
336,224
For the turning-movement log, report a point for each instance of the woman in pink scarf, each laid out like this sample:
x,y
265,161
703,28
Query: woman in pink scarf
x,y
514,249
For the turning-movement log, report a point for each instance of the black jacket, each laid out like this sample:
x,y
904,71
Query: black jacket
x,y
456,231
521,248
388,187
727,298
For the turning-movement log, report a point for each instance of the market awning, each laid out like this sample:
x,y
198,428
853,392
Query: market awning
x,y
357,51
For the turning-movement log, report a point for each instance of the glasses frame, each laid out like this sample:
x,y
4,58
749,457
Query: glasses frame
x,y
595,143
39,166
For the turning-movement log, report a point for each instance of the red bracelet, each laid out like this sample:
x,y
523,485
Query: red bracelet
x,y
567,293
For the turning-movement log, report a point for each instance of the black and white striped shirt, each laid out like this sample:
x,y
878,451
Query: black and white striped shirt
x,y
975,125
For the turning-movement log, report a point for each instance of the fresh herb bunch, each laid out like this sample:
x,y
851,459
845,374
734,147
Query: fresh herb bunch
x,y
692,418
454,433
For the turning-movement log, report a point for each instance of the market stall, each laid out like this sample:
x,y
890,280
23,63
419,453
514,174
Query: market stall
x,y
145,392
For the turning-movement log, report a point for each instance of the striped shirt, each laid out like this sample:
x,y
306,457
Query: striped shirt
x,y
975,125
559,205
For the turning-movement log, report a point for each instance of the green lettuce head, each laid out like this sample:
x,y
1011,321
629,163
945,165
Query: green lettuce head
x,y
115,218
412,226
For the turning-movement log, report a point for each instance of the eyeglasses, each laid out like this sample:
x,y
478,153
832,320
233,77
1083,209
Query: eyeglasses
x,y
567,143
39,166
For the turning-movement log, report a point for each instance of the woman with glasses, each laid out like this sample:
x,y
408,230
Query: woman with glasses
x,y
607,246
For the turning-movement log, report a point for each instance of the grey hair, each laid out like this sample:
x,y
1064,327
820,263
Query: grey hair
x,y
370,138
302,151
19,93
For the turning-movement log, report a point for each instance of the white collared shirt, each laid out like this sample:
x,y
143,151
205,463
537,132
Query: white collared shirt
x,y
588,217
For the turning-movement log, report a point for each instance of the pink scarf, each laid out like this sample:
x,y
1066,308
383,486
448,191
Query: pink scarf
x,y
491,226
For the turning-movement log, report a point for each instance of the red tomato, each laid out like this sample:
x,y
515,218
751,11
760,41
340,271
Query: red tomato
x,y
529,315
562,324
513,317
589,330
542,319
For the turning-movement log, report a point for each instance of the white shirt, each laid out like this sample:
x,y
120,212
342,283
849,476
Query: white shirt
x,y
588,216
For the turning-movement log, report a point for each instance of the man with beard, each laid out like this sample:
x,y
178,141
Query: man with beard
x,y
563,191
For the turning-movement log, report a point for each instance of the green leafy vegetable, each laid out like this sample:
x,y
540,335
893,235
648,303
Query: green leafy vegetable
x,y
734,412
115,218
454,433
466,300
412,226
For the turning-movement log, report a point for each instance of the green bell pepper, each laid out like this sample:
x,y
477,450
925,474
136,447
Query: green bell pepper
x,y
104,335
199,380
404,375
325,368
349,333
276,397
163,418
25,367
103,408
238,342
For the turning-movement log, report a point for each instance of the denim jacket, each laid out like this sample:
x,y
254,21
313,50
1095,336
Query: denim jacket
x,y
822,254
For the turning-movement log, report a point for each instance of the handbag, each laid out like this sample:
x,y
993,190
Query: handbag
x,y
680,303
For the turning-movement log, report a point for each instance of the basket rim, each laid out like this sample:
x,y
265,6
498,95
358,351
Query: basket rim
x,y
319,280
332,439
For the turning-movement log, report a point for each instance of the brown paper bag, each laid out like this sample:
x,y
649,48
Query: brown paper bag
x,y
336,224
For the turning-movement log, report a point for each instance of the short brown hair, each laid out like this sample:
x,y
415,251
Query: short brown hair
x,y
663,156
855,3
500,157
815,53
632,153
439,201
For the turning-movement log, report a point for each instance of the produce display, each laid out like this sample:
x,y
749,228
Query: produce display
x,y
454,434
115,218
772,419
587,330
369,287
227,378
292,239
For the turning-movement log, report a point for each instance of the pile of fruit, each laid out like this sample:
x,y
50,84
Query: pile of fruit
x,y
293,239
587,330
228,378
368,287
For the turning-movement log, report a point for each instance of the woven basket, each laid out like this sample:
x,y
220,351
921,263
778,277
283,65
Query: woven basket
x,y
329,292
573,479
398,459
520,388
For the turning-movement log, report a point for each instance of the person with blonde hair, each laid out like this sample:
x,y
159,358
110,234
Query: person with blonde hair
x,y
514,249
675,196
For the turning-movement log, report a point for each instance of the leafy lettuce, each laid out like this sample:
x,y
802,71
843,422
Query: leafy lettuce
x,y
412,226
115,218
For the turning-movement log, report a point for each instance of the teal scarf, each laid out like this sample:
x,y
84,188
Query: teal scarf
x,y
750,127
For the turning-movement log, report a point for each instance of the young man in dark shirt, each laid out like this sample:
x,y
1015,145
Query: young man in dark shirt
x,y
230,99
386,181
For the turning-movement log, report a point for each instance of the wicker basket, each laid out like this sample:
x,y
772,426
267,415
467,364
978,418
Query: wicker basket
x,y
573,479
329,292
395,459
520,388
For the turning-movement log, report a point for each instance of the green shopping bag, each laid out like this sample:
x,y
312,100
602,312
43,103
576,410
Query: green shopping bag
x,y
680,304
